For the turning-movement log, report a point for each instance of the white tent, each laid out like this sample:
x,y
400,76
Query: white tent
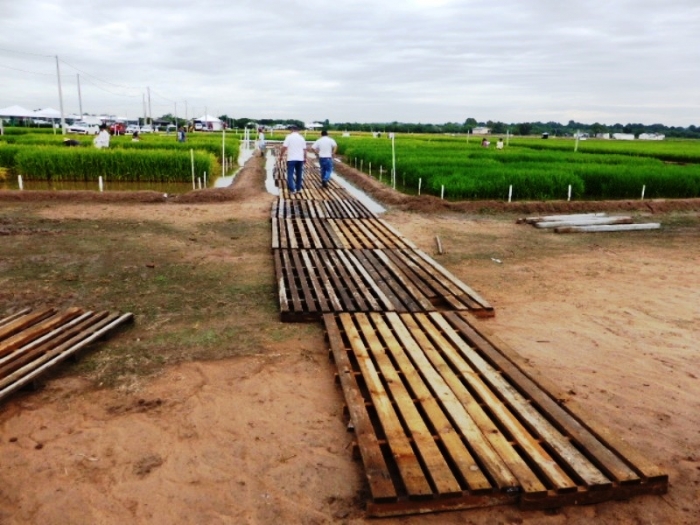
x,y
47,113
16,111
212,123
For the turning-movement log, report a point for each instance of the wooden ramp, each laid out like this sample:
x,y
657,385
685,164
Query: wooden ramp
x,y
32,342
445,420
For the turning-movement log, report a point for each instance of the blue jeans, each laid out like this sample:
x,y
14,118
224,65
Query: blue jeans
x,y
326,164
295,174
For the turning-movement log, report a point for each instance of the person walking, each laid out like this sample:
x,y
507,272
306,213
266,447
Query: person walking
x,y
294,147
325,148
261,142
101,140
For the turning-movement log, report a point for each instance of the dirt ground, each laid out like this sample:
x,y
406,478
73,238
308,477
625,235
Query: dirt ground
x,y
248,427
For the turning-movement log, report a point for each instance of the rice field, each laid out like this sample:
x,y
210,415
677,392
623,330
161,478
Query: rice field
x,y
154,159
535,169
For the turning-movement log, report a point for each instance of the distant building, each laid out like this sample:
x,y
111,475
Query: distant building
x,y
481,130
602,135
651,136
623,136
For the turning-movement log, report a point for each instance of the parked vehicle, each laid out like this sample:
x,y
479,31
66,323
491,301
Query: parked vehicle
x,y
146,128
83,128
117,128
131,128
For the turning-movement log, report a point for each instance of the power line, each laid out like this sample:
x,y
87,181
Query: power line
x,y
25,53
98,79
108,91
26,71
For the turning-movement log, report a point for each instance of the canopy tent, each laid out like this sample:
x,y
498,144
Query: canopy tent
x,y
208,118
47,113
16,111
211,123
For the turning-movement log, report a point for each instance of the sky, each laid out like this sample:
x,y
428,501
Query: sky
x,y
428,61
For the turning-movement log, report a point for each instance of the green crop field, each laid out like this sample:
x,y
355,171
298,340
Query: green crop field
x,y
535,168
155,158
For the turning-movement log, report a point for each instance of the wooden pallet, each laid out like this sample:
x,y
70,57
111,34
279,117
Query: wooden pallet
x,y
336,233
445,420
32,342
318,209
314,282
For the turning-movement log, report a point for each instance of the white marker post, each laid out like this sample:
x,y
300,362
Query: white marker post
x,y
510,192
199,182
393,162
577,137
380,173
644,187
205,179
100,183
419,184
442,192
19,181
192,160
223,152
569,197
370,169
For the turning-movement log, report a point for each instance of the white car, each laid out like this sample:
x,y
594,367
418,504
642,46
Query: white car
x,y
146,128
83,128
131,129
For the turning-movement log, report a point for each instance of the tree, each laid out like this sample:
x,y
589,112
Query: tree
x,y
524,128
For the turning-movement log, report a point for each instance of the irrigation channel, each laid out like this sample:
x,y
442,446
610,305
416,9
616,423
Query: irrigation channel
x,y
443,418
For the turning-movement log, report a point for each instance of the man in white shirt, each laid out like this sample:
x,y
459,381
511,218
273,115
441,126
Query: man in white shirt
x,y
102,139
325,147
294,146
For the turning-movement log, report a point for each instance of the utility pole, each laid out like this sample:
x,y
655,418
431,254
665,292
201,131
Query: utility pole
x,y
80,97
60,97
143,98
150,115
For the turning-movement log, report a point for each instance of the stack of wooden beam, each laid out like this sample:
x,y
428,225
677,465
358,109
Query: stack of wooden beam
x,y
588,222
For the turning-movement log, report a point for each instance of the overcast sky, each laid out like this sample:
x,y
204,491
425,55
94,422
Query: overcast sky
x,y
359,60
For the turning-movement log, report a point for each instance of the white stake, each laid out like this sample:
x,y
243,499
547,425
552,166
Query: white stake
x,y
19,180
419,184
380,173
643,190
205,179
510,192
370,169
100,183
223,151
192,160
362,163
569,197
442,192
199,182
393,161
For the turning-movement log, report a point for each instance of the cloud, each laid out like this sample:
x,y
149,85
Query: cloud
x,y
406,60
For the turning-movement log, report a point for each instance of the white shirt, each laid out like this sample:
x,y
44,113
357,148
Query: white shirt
x,y
102,139
296,146
324,147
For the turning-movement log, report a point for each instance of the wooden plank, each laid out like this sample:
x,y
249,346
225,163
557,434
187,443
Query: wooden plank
x,y
433,462
318,288
331,263
492,447
605,458
303,282
560,217
423,381
388,299
417,297
411,472
609,228
311,226
535,421
584,222
30,372
288,268
378,475
284,236
359,287
20,323
325,282
407,269
37,330
344,242
466,289
397,234
275,234
281,286
530,445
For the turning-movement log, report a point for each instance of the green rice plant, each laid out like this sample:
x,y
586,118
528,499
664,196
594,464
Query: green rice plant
x,y
118,165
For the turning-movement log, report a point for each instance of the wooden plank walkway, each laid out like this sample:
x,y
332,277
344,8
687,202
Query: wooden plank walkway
x,y
444,420
32,342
